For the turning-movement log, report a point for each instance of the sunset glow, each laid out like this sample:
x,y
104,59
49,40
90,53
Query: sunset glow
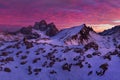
x,y
101,14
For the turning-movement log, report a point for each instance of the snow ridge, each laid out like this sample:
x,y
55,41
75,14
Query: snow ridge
x,y
76,53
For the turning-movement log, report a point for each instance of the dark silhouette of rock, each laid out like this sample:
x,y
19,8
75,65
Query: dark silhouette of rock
x,y
26,30
42,25
66,66
89,56
91,45
51,30
103,68
32,36
7,69
28,44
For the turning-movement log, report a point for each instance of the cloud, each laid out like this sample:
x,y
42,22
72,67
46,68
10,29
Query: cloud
x,y
62,12
116,21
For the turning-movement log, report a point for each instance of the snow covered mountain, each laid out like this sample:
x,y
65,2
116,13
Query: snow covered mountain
x,y
76,53
76,35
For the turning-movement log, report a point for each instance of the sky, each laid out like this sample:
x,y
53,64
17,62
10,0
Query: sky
x,y
100,14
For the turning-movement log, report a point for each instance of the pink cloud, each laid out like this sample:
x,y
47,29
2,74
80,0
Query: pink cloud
x,y
65,13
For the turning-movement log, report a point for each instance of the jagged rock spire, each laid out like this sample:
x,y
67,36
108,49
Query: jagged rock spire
x,y
42,25
50,29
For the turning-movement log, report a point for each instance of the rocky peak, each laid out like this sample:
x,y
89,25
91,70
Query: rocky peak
x,y
51,29
74,35
42,25
83,34
43,22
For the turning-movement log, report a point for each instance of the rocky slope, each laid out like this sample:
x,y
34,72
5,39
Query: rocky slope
x,y
76,53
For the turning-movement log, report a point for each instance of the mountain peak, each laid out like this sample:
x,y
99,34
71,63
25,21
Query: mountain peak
x,y
78,34
42,25
43,22
51,30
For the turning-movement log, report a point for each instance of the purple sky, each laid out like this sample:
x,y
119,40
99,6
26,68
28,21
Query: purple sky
x,y
101,14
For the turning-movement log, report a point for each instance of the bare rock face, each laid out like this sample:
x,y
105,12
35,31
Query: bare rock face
x,y
49,29
75,35
26,30
31,32
91,45
42,25
28,44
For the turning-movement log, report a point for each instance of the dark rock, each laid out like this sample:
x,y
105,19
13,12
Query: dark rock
x,y
53,72
26,30
119,46
29,70
115,52
78,50
37,70
76,58
66,66
42,25
23,62
27,43
4,54
32,36
91,45
51,30
23,57
96,53
89,66
107,56
90,73
79,64
9,59
89,56
36,60
103,67
7,69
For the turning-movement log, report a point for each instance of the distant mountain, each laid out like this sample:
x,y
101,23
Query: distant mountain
x,y
42,52
39,30
49,29
111,31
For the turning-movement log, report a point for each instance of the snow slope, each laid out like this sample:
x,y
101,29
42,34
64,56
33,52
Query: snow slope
x,y
76,53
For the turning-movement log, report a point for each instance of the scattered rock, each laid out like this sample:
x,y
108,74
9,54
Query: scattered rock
x,y
89,56
35,60
53,72
90,73
7,69
28,44
103,68
91,45
96,53
67,67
